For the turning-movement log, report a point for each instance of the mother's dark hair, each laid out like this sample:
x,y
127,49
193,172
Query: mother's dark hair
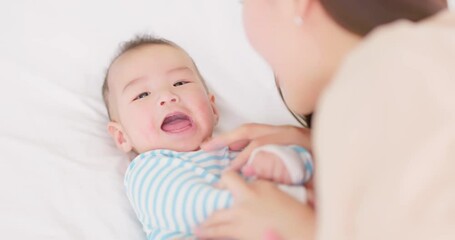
x,y
362,16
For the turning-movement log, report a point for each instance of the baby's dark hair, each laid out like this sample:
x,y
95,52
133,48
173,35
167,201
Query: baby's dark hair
x,y
136,42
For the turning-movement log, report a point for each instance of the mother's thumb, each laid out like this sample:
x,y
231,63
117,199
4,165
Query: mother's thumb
x,y
235,184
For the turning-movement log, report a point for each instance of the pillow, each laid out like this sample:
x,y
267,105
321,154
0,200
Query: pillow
x,y
61,175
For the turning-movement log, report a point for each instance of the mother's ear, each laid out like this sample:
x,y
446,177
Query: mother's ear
x,y
121,139
301,9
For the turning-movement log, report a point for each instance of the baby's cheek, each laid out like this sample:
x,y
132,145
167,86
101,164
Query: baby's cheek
x,y
144,127
150,128
205,115
147,137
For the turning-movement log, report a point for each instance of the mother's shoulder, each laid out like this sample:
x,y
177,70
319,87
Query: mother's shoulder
x,y
404,51
405,40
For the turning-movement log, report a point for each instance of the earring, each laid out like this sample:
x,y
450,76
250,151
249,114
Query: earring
x,y
298,21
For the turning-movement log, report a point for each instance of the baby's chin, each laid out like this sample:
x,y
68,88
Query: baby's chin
x,y
189,143
177,146
188,147
186,143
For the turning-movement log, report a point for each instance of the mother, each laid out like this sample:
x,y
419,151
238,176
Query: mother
x,y
383,93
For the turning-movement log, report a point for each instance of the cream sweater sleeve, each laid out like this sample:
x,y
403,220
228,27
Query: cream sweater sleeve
x,y
385,137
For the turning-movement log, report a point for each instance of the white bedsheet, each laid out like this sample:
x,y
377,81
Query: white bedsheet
x,y
60,174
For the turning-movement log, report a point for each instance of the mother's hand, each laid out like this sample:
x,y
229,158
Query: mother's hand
x,y
252,135
259,210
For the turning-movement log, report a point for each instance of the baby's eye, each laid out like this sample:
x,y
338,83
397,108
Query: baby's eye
x,y
180,83
142,95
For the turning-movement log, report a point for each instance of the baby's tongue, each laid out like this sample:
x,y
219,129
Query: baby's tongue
x,y
176,124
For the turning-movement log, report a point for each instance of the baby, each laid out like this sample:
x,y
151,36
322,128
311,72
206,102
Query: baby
x,y
161,110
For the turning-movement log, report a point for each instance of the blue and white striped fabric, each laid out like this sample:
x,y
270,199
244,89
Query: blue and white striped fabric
x,y
172,192
307,162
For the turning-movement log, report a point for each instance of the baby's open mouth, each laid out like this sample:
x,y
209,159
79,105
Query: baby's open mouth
x,y
176,122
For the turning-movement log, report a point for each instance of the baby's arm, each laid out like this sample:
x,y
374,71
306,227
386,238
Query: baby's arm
x,y
282,164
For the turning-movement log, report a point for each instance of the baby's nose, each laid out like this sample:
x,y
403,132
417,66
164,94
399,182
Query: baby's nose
x,y
168,98
162,102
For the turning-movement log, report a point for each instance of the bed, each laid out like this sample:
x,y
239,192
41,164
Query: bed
x,y
61,175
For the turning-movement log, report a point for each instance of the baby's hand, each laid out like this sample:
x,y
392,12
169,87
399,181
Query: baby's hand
x,y
269,166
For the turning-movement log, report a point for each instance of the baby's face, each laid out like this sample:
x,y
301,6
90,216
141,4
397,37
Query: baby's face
x,y
158,101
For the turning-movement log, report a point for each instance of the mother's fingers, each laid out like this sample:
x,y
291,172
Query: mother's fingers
x,y
223,231
271,235
220,217
218,225
236,185
239,145
225,223
239,137
243,156
288,136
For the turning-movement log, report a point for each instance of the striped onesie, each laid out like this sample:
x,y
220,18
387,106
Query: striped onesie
x,y
172,192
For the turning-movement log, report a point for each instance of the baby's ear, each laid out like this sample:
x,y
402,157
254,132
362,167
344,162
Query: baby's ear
x,y
214,108
120,138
